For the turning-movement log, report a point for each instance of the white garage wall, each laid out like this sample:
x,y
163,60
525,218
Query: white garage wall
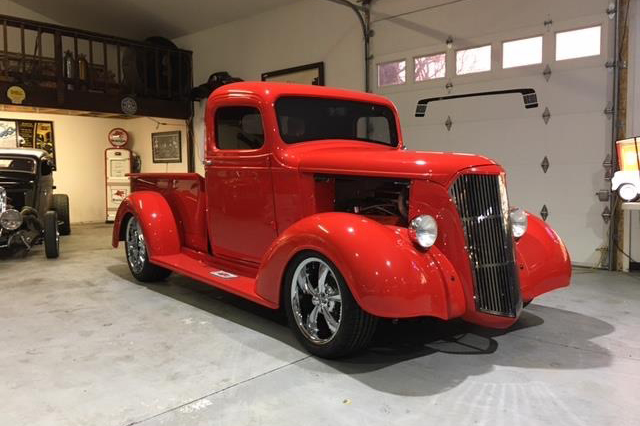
x,y
302,33
80,145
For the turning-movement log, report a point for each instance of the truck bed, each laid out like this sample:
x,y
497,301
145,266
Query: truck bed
x,y
186,196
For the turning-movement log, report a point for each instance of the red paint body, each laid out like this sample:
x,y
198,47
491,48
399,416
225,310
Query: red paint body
x,y
255,209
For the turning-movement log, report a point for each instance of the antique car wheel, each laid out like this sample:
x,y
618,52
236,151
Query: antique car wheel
x,y
61,206
322,313
51,235
137,255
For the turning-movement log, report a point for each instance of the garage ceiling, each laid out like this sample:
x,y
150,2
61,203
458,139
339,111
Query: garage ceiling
x,y
143,18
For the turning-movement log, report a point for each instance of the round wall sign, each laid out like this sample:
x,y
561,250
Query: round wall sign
x,y
16,94
129,105
118,137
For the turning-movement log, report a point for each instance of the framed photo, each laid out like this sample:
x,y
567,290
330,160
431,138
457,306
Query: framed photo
x,y
8,134
28,134
305,74
166,147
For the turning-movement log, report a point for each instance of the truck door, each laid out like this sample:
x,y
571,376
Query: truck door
x,y
240,214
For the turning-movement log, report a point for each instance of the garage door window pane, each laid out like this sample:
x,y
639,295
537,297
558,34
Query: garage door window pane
x,y
518,53
578,43
392,73
473,60
429,67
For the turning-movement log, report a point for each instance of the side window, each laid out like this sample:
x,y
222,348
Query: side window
x,y
239,128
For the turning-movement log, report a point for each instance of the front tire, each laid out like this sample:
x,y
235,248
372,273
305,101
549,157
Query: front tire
x,y
321,310
61,206
51,235
138,257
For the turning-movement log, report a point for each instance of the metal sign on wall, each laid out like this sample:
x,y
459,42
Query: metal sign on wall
x,y
27,134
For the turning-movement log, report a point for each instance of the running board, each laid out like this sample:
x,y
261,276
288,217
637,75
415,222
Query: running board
x,y
185,264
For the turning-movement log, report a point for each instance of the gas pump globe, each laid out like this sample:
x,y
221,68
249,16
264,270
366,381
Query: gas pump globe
x,y
627,180
118,161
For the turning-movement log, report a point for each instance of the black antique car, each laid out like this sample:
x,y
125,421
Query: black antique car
x,y
30,213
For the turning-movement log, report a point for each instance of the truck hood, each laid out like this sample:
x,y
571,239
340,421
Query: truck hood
x,y
358,158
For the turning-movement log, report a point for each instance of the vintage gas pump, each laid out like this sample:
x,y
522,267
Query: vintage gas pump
x,y
118,162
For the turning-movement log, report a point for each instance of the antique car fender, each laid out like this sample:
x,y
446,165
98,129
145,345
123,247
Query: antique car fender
x,y
543,260
156,219
387,275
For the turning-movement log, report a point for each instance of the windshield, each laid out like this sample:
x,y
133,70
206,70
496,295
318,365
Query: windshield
x,y
17,164
310,119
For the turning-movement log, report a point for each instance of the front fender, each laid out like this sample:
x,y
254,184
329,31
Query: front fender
x,y
543,260
386,274
156,219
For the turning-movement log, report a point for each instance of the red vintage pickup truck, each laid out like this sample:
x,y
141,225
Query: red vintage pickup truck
x,y
311,203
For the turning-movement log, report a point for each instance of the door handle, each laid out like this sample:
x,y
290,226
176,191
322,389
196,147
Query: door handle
x,y
207,162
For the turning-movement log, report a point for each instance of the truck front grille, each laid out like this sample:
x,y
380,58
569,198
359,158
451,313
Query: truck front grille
x,y
482,203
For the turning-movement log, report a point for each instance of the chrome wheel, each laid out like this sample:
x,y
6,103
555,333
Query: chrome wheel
x,y
136,248
316,301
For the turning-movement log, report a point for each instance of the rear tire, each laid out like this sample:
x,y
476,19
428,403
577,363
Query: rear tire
x,y
321,310
51,235
138,255
61,206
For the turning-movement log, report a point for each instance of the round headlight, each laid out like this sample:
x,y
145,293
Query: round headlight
x,y
10,219
519,222
423,230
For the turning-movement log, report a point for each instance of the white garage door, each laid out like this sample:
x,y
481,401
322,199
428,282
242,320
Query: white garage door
x,y
575,138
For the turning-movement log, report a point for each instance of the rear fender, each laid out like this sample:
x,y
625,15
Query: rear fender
x,y
156,219
543,260
386,274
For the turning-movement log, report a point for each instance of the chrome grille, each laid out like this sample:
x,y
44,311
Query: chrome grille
x,y
482,203
3,199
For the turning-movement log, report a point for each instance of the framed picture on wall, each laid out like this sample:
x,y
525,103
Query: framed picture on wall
x,y
28,134
166,147
305,74
8,134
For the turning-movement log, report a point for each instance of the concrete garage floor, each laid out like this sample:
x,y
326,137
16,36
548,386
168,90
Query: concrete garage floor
x,y
83,344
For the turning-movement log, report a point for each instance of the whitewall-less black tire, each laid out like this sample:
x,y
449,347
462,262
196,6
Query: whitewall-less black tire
x,y
51,235
61,206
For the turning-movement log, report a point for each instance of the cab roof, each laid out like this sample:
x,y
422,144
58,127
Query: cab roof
x,y
271,91
31,152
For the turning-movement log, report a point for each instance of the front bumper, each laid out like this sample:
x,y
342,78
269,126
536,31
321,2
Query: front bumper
x,y
542,262
12,239
28,235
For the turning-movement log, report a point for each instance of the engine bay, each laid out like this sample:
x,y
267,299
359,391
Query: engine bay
x,y
385,200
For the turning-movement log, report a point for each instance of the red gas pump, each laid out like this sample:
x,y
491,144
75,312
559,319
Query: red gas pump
x,y
118,163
